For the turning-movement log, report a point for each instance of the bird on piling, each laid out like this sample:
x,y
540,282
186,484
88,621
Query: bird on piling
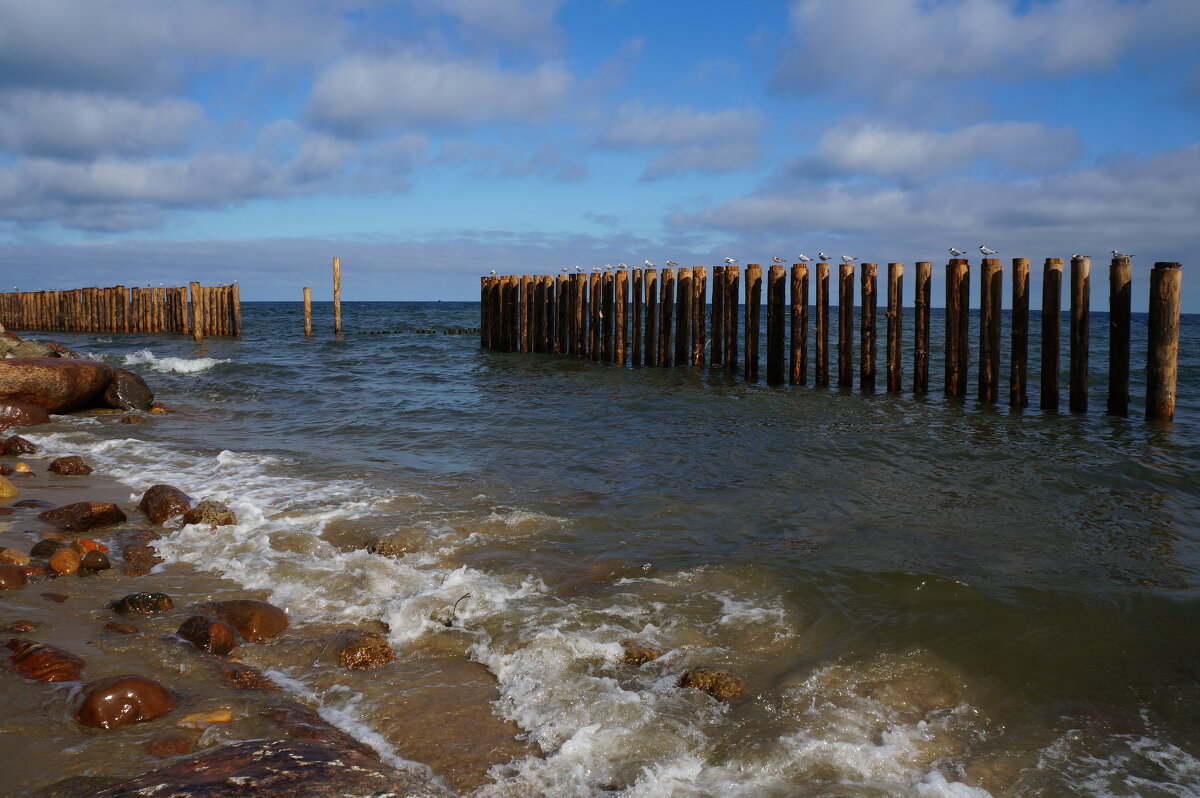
x,y
1077,256
607,268
956,253
803,258
848,259
672,264
730,261
649,265
565,269
777,260
986,251
1116,254
579,268
622,267
824,258
492,272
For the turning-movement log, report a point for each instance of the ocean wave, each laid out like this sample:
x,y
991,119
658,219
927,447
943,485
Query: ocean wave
x,y
172,365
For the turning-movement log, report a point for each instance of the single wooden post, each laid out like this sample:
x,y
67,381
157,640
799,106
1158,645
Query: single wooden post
x,y
501,317
718,316
651,342
798,361
197,311
732,278
683,317
337,296
666,309
308,311
525,295
776,299
562,295
537,314
1081,270
1051,331
822,329
1119,280
895,326
846,326
753,320
550,316
516,300
866,369
608,291
1019,361
621,320
1162,357
581,316
572,315
483,312
636,322
699,314
596,317
991,287
958,286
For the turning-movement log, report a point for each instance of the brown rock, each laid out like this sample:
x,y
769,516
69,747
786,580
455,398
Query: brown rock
x,y
132,420
720,684
215,637
168,745
72,466
21,468
245,677
4,472
7,489
60,350
254,620
84,516
33,571
65,561
56,385
212,513
202,720
46,547
13,557
11,577
139,558
20,627
637,654
159,407
366,651
95,561
33,504
42,663
57,598
142,603
16,445
127,391
121,628
20,414
163,502
119,700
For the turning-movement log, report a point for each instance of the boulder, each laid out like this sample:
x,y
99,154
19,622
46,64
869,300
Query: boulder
x,y
163,502
215,637
120,700
637,654
395,545
7,489
65,561
27,348
366,651
95,561
21,626
212,513
83,516
72,466
142,603
13,557
20,414
46,547
246,677
57,385
254,620
42,663
11,577
140,558
61,351
127,391
720,684
16,445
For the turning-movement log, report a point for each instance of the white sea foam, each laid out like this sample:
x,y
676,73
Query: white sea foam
x,y
172,365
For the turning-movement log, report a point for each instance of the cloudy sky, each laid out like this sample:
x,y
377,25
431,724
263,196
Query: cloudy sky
x,y
427,141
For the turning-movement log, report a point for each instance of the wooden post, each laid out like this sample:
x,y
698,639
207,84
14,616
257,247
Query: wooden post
x,y
621,319
991,287
718,316
866,369
895,326
1019,361
596,317
798,361
753,320
572,315
635,343
483,313
500,339
1051,331
776,299
666,309
525,297
1162,355
958,286
732,278
846,326
651,342
308,312
197,312
1081,269
581,316
683,317
537,315
550,315
1119,279
699,314
562,295
516,302
607,291
337,296
822,329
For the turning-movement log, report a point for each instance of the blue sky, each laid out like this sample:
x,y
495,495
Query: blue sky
x,y
428,141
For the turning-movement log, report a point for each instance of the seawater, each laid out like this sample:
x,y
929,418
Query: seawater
x,y
925,596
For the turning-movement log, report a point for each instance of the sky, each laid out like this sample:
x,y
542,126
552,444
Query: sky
x,y
426,142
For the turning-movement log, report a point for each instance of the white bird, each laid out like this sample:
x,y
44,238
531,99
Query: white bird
x,y
848,259
649,265
622,266
565,269
597,269
730,260
672,264
956,253
803,258
777,260
1116,254
1077,256
822,256
986,251
578,268
492,272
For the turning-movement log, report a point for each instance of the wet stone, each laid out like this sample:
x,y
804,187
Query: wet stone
x,y
142,603
84,516
11,577
42,663
215,637
13,557
254,620
132,420
121,628
33,571
121,700
7,489
366,651
21,626
32,504
128,391
65,561
720,684
70,466
139,558
212,513
637,654
95,561
16,445
392,545
164,746
57,598
44,548
163,502
246,677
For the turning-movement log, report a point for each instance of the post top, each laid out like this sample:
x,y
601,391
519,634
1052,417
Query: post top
x,y
1166,264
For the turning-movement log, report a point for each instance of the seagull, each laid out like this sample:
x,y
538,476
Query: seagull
x,y
672,264
578,268
986,251
649,265
1116,254
777,260
622,266
1077,256
730,261
823,257
565,269
492,272
803,258
956,253
597,269
848,259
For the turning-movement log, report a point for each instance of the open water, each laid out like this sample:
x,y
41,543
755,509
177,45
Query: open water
x,y
925,597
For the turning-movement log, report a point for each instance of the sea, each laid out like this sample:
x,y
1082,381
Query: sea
x,y
923,596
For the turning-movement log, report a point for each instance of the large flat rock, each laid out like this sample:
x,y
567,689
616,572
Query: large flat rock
x,y
57,385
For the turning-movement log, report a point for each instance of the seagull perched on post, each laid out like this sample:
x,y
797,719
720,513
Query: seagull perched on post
x,y
803,258
986,251
649,265
777,260
565,269
1116,254
672,264
607,268
622,266
730,261
824,258
492,272
1077,256
956,253
848,259
578,268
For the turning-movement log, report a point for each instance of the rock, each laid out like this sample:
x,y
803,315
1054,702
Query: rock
x,y
164,502
7,489
159,407
20,627
212,513
274,769
202,720
29,348
254,620
637,654
4,472
16,445
41,663
65,561
44,548
120,700
33,571
139,558
392,545
21,414
33,504
720,684
84,545
127,391
56,385
57,598
132,420
168,745
84,516
13,557
245,677
72,466
21,468
95,561
142,603
60,350
215,637
366,651
11,577
121,628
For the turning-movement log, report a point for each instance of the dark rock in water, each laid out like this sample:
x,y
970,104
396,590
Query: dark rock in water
x,y
13,557
168,745
33,504
75,787
139,558
72,466
60,350
121,628
637,654
720,684
392,545
212,513
33,571
44,548
21,627
120,700
215,637
57,598
65,561
274,769
246,677
366,651
84,516
159,407
42,663
127,391
142,603
95,561
164,502
132,420
15,444
56,385
11,577
20,414
254,620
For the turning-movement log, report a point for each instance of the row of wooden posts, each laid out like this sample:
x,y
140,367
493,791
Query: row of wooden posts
x,y
214,310
591,316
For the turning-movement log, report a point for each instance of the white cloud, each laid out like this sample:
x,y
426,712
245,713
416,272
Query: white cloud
x,y
695,141
516,22
362,95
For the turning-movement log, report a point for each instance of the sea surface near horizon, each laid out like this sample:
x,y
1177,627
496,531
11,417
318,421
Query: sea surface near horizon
x,y
924,596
